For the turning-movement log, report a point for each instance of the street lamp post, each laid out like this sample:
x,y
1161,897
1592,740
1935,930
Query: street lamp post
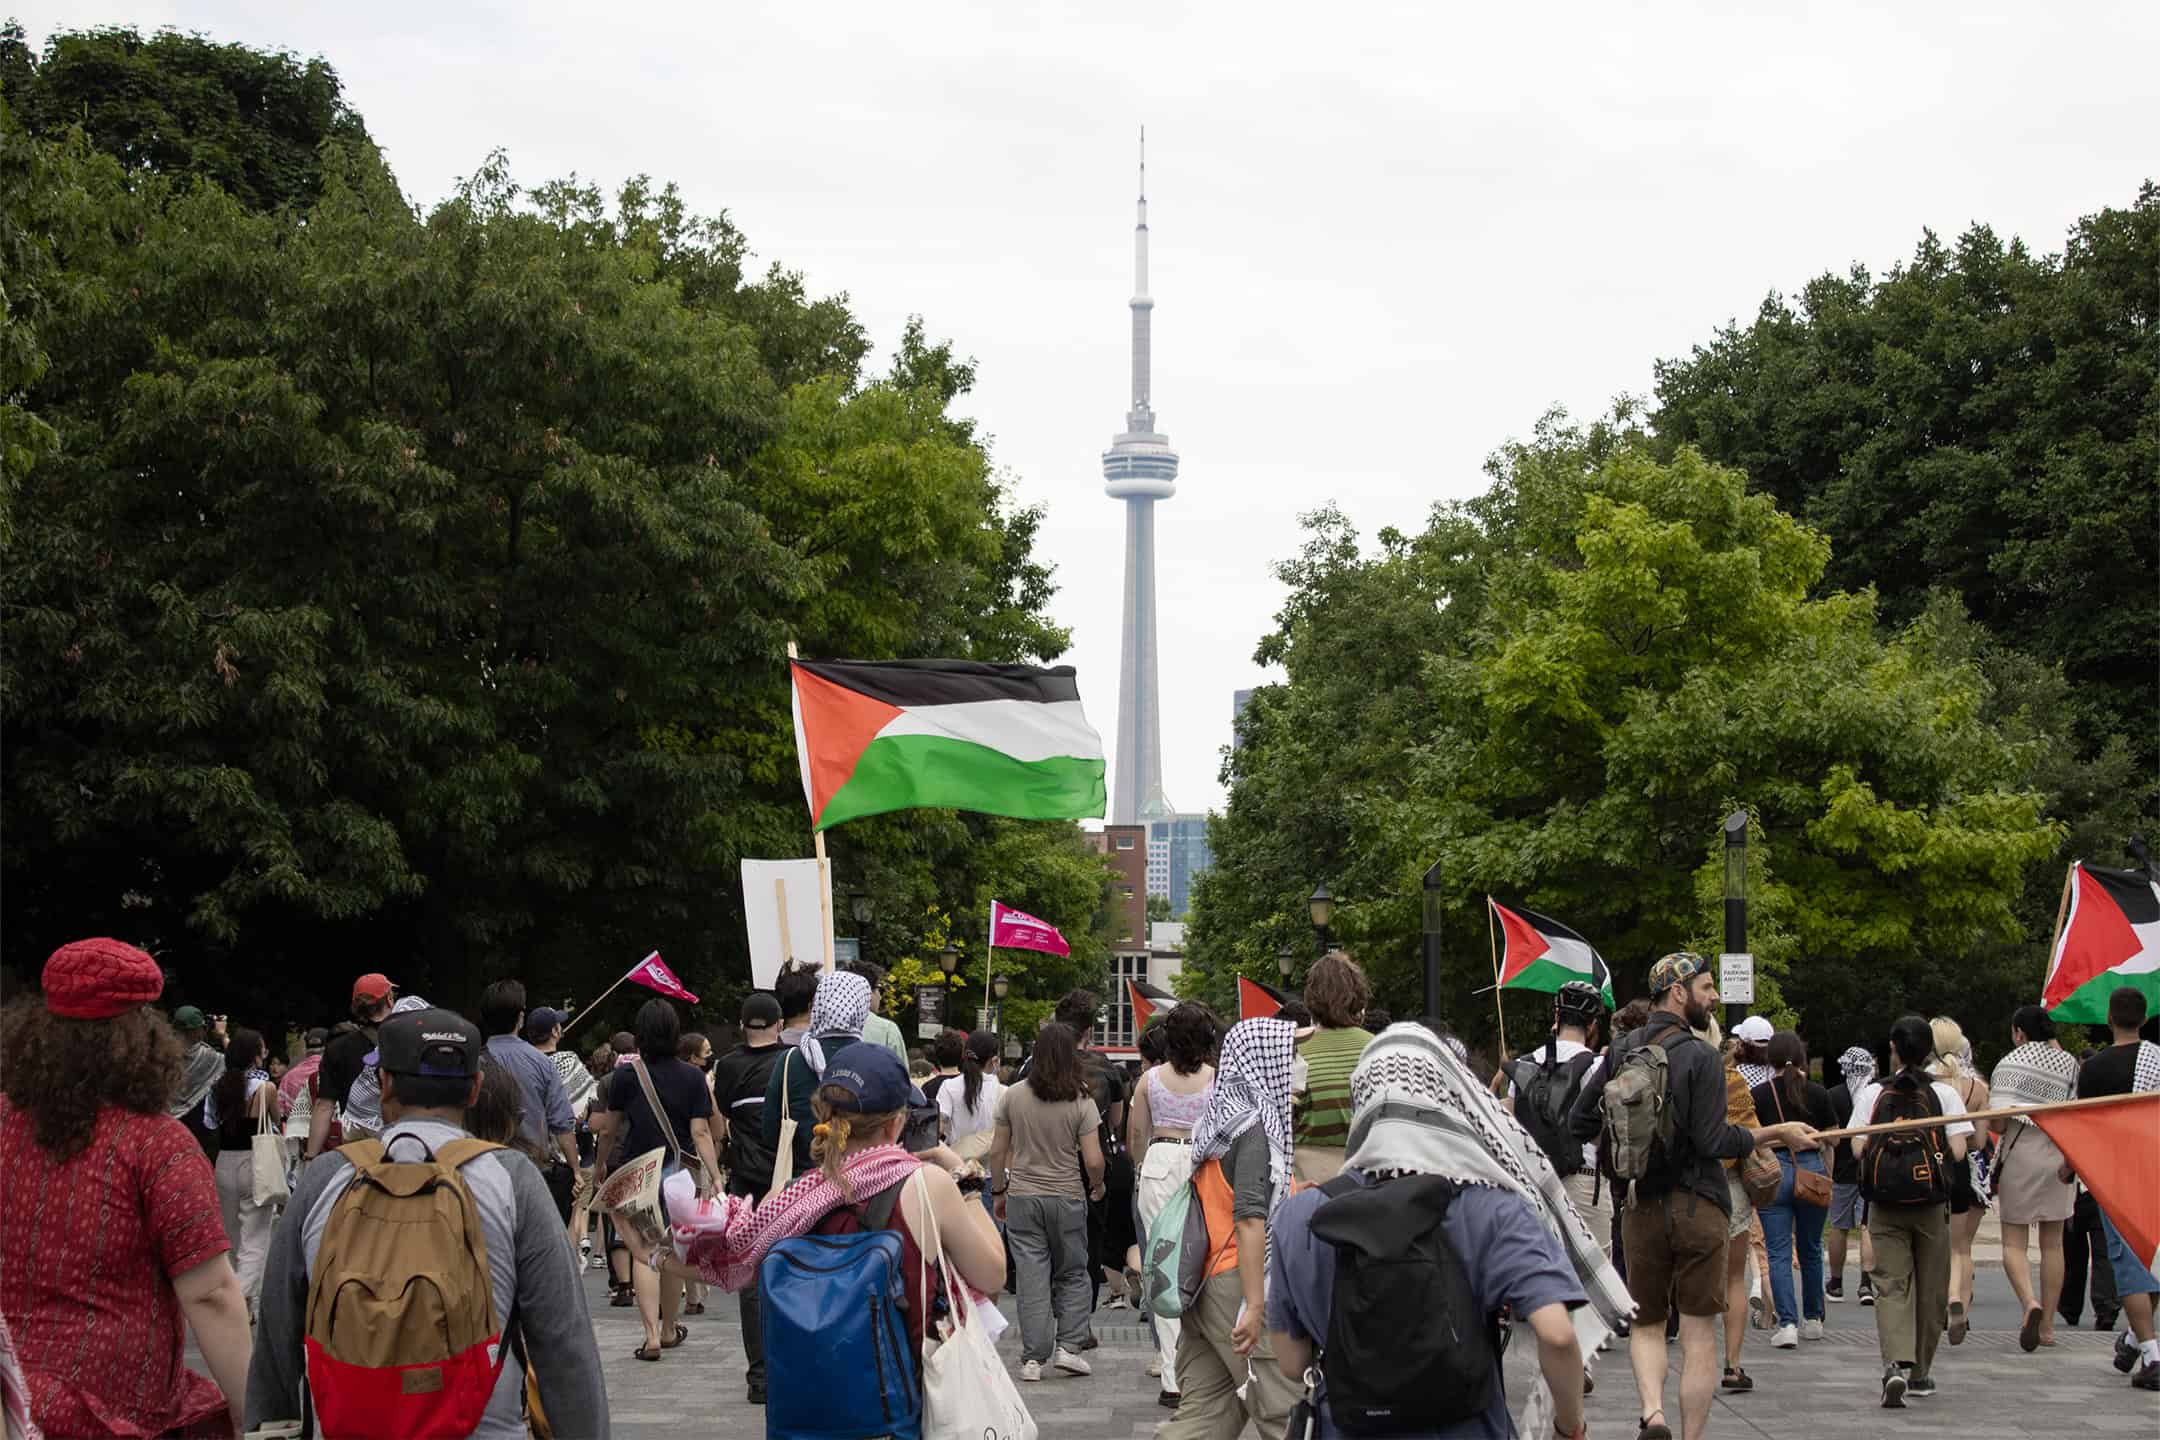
x,y
1284,959
999,984
1735,903
1432,943
1322,907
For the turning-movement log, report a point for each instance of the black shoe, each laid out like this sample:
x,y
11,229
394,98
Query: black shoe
x,y
1893,1388
1589,1386
1653,1430
2104,1320
1834,1290
1091,1342
1921,1387
1168,1399
2126,1353
1867,1291
757,1395
2148,1376
1737,1379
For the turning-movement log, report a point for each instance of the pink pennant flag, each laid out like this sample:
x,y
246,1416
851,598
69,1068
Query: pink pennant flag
x,y
653,974
1012,929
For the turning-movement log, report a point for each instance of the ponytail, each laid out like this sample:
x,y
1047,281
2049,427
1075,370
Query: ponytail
x,y
970,1077
836,1133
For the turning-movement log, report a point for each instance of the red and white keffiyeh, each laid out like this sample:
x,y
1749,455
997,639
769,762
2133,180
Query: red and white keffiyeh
x,y
727,1236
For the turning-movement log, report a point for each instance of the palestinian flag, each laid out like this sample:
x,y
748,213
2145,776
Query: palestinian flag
x,y
2110,938
949,734
1256,1001
1543,954
2111,1148
1146,1000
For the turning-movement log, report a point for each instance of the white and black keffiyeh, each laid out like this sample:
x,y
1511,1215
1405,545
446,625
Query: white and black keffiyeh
x,y
842,1007
2036,1073
1417,1110
1252,1084
1858,1067
2145,1070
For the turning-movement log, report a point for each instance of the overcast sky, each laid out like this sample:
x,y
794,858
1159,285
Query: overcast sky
x,y
1385,237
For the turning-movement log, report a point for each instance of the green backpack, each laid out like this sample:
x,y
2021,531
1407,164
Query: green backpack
x,y
1638,1113
1174,1264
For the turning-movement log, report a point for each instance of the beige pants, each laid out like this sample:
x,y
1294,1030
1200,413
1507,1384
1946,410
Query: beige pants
x,y
1912,1281
1164,1170
1596,1214
1209,1372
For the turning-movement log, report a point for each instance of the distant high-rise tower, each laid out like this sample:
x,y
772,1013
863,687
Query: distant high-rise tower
x,y
1139,468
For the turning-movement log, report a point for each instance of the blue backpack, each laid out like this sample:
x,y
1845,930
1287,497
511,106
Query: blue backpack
x,y
838,1364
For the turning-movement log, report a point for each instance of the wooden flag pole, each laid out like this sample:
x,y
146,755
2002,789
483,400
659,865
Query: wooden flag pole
x,y
824,866
2062,915
787,941
2001,1113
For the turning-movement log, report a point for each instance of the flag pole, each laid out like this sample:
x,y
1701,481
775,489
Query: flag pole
x,y
2000,1113
2062,914
1492,935
817,846
989,946
595,1005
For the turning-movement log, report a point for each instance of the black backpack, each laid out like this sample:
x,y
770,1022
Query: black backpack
x,y
1906,1167
1545,1092
1388,1375
749,1159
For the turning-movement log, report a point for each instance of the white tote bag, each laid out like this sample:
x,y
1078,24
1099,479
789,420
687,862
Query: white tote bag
x,y
269,1156
967,1392
783,1165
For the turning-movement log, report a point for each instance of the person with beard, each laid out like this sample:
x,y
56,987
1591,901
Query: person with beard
x,y
202,1037
1678,1214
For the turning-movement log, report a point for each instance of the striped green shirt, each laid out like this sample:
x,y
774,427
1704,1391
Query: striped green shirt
x,y
1322,1115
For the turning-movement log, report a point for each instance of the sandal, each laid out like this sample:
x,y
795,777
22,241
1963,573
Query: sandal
x,y
622,1299
1653,1429
645,1352
1959,1323
696,1307
2029,1332
1737,1379
682,1333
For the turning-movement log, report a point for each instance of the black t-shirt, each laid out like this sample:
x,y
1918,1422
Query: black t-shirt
x,y
740,1080
1817,1110
342,1061
2112,1071
682,1092
1844,1165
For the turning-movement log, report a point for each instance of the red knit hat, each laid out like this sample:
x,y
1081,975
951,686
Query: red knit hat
x,y
98,979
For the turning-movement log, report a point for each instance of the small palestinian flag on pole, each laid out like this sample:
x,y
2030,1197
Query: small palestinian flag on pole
x,y
1542,954
947,734
1256,1001
2107,936
1146,1000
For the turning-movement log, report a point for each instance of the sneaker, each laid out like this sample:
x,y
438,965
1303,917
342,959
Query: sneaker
x,y
1834,1290
1154,1370
1116,1301
1070,1363
1811,1330
1031,1370
1921,1387
2126,1353
1168,1399
1786,1338
2148,1376
1893,1388
1867,1291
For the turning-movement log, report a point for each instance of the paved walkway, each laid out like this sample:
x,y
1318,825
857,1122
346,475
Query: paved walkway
x,y
1822,1391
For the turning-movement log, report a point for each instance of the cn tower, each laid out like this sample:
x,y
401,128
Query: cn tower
x,y
1139,468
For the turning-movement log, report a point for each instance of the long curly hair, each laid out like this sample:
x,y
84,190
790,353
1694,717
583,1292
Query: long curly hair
x,y
61,1072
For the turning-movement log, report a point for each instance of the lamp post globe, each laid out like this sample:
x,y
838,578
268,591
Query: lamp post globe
x,y
999,985
1321,906
1285,958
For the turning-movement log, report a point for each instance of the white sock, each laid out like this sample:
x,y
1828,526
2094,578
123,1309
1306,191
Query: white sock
x,y
2150,1349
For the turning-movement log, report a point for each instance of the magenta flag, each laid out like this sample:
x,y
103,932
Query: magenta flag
x,y
1012,929
653,974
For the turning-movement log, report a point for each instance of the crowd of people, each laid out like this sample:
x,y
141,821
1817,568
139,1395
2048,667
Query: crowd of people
x,y
1296,1205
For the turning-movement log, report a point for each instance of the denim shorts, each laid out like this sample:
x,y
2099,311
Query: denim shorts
x,y
2131,1276
1848,1211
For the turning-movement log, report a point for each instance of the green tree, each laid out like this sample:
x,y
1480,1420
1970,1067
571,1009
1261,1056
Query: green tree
x,y
1158,907
1980,420
1569,681
248,121
417,587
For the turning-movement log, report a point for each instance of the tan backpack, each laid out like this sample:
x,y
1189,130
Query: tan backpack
x,y
401,1333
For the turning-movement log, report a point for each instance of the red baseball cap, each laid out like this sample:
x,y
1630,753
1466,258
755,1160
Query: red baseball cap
x,y
372,988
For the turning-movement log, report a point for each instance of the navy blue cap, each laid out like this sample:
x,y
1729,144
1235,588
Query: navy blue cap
x,y
878,1083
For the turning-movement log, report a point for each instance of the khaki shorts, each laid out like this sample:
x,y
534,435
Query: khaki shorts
x,y
1743,1209
1675,1253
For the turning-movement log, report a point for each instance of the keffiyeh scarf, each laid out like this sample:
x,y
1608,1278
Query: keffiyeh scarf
x,y
2036,1073
727,1236
1858,1067
1252,1086
1417,1110
842,1007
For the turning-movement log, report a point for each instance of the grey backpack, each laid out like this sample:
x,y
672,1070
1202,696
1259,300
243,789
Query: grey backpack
x,y
1638,1113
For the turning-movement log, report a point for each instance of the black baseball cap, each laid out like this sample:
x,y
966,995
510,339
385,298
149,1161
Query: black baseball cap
x,y
429,1042
760,1011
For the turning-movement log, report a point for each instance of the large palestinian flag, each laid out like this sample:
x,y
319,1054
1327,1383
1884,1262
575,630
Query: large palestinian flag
x,y
950,734
2110,938
1543,954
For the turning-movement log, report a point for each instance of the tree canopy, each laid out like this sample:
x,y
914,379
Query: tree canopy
x,y
1978,420
251,122
408,592
1557,690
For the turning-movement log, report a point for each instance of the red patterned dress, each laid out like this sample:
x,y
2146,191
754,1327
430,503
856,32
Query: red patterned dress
x,y
91,1246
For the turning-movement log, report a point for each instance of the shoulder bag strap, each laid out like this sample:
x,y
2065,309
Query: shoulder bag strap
x,y
785,1113
667,1126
